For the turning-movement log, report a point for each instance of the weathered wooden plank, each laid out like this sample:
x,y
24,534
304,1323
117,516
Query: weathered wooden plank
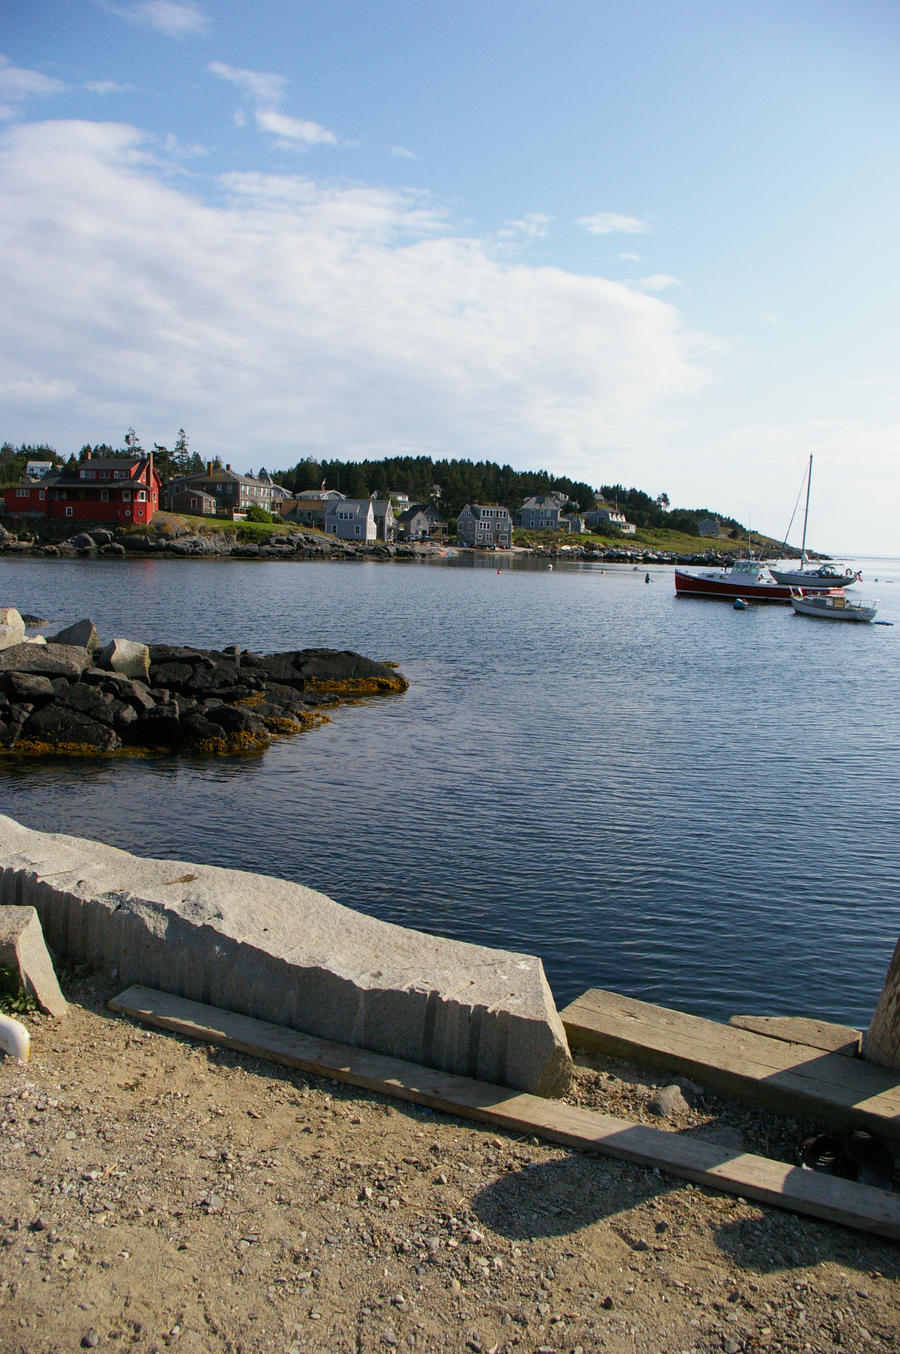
x,y
703,1162
790,1078
801,1030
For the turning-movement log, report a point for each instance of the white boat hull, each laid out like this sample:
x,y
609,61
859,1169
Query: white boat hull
x,y
832,607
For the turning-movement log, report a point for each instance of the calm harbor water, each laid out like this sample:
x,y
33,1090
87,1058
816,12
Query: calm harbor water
x,y
682,802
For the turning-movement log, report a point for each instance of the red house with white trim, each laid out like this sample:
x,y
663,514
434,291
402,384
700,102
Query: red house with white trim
x,y
121,490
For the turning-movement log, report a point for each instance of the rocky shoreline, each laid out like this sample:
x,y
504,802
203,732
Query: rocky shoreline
x,y
73,696
167,538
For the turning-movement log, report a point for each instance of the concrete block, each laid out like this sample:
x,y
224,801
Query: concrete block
x,y
281,952
22,949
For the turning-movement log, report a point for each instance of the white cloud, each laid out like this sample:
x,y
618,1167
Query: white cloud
x,y
174,18
657,282
266,92
104,87
630,258
294,129
262,86
294,315
18,84
612,223
403,153
519,234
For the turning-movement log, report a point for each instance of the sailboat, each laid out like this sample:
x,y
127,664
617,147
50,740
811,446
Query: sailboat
x,y
817,578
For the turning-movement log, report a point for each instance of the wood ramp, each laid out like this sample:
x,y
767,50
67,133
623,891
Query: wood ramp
x,y
703,1162
793,1078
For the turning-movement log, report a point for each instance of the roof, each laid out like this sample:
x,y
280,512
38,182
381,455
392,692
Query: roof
x,y
132,465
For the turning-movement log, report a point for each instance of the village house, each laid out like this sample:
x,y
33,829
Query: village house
x,y
351,519
121,490
422,522
385,521
193,501
308,507
478,525
233,493
544,512
609,517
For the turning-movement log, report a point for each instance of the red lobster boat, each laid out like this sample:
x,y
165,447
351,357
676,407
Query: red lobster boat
x,y
748,578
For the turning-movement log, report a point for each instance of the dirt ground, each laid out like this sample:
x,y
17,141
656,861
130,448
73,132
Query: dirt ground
x,y
157,1193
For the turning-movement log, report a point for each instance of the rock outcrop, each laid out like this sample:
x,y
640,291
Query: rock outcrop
x,y
78,699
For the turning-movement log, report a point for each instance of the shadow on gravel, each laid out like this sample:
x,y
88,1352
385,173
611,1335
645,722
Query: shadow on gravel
x,y
777,1241
559,1198
556,1198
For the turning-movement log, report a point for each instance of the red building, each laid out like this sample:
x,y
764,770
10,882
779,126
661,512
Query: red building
x,y
121,490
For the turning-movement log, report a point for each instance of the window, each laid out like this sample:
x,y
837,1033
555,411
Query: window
x,y
23,493
69,511
142,495
104,495
88,475
126,495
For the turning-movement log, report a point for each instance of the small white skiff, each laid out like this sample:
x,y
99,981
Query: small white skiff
x,y
831,606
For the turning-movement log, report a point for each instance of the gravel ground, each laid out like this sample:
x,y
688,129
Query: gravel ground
x,y
157,1193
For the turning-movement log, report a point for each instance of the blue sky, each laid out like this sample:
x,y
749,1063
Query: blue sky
x,y
645,243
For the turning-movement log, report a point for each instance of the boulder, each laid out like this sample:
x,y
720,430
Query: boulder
x,y
82,633
126,656
27,686
53,660
280,952
67,731
12,627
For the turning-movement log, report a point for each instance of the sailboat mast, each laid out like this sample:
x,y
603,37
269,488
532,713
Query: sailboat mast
x,y
806,514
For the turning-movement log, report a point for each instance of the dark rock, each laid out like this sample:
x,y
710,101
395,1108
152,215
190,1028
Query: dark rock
x,y
127,689
158,726
82,541
14,723
27,686
112,551
83,633
66,730
54,660
100,536
277,667
235,719
88,700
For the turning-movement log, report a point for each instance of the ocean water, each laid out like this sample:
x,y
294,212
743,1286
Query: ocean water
x,y
667,797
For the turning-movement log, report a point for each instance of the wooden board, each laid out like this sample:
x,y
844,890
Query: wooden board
x,y
703,1162
791,1078
801,1030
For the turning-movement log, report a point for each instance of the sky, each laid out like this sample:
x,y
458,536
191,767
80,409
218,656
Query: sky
x,y
644,242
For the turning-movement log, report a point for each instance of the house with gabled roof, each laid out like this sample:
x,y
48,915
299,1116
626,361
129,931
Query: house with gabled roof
x,y
234,493
488,526
385,521
121,490
351,519
422,522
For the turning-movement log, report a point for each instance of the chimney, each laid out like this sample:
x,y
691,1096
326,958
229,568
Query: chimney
x,y
87,454
209,467
228,467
